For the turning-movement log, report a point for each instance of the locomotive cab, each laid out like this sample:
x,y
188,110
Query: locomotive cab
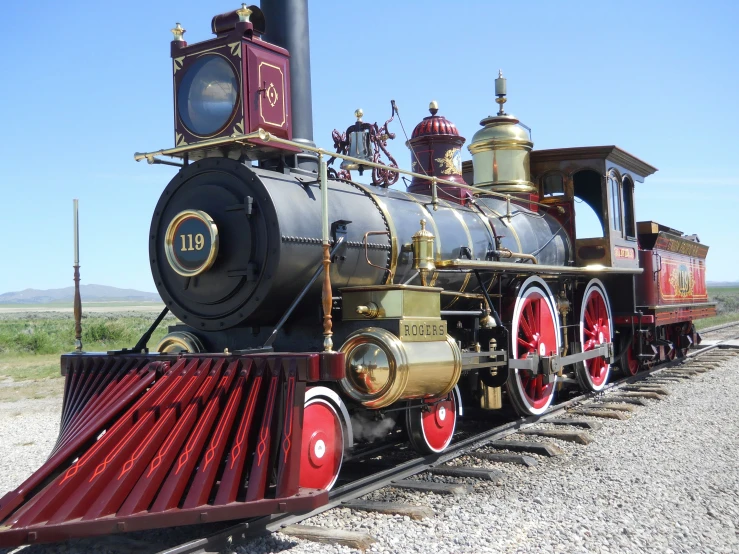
x,y
599,181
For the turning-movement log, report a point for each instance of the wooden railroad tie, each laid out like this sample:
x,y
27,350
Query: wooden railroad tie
x,y
644,394
502,457
573,422
471,472
455,489
578,437
607,414
392,508
679,375
619,407
352,539
531,447
646,388
626,400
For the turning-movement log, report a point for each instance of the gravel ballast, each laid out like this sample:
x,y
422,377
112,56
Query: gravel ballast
x,y
665,480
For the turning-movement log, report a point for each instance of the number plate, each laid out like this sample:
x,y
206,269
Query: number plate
x,y
191,243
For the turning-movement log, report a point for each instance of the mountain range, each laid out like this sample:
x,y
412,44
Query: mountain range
x,y
89,293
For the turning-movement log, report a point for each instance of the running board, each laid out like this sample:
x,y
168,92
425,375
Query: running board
x,y
150,441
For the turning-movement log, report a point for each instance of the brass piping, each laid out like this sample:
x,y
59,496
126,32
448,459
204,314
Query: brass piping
x,y
470,295
393,235
505,253
458,264
232,139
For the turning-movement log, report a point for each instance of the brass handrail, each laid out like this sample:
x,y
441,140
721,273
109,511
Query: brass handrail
x,y
265,136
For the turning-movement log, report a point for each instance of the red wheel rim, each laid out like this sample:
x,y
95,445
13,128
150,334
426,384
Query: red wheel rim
x,y
323,445
596,330
438,423
536,333
632,363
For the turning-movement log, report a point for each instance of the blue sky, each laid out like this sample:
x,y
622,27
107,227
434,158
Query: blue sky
x,y
87,84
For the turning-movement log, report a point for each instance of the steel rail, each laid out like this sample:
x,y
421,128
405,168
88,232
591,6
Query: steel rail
x,y
386,477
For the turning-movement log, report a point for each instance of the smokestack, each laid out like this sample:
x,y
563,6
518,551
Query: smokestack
x,y
287,26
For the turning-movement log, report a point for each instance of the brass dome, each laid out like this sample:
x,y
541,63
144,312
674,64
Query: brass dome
x,y
499,131
500,155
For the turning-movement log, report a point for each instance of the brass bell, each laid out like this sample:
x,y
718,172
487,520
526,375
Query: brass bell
x,y
360,145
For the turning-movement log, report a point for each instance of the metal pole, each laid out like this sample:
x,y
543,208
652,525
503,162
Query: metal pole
x,y
327,299
77,299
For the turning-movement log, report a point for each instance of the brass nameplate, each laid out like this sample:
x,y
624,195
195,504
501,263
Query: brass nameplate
x,y
421,330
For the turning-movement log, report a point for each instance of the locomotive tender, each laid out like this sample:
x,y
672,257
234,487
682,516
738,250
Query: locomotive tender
x,y
318,313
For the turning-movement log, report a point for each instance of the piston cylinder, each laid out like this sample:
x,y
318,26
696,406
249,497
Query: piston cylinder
x,y
381,369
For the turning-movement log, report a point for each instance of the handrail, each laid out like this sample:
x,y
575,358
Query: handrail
x,y
265,136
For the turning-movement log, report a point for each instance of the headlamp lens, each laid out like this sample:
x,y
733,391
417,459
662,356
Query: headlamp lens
x,y
207,95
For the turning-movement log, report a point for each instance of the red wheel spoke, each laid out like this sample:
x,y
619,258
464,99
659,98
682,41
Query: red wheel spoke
x,y
589,319
528,345
530,319
526,329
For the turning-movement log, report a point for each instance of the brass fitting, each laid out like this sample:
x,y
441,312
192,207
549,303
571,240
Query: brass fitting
x,y
423,252
370,311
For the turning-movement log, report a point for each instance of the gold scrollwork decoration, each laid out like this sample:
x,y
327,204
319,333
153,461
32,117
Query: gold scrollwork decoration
x,y
177,63
451,162
235,49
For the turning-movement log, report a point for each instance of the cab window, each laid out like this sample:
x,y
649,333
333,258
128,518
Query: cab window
x,y
614,194
553,184
588,198
627,193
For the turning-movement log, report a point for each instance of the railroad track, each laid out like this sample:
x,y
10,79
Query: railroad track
x,y
223,538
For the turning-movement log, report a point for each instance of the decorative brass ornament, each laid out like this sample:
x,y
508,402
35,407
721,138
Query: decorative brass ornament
x,y
243,12
178,33
191,251
451,163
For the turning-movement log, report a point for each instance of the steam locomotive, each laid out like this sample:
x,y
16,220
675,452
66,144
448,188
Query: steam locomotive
x,y
475,289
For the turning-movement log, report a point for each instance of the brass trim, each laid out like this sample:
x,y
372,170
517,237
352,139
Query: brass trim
x,y
169,242
179,341
391,229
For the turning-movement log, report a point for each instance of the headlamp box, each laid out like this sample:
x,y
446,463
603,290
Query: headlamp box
x,y
233,84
